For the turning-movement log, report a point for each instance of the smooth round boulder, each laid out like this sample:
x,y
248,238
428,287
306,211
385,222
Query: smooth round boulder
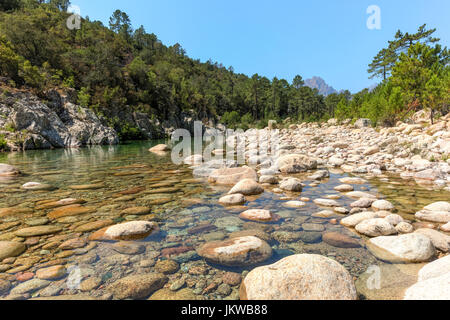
x,y
357,218
382,205
232,200
134,230
375,228
407,248
259,215
247,187
299,277
268,179
344,188
292,185
438,212
240,251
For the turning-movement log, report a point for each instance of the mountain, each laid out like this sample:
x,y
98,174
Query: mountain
x,y
320,84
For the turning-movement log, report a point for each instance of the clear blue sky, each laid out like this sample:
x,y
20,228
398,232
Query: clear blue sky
x,y
326,38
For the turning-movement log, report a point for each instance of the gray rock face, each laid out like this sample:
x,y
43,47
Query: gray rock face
x,y
299,277
57,124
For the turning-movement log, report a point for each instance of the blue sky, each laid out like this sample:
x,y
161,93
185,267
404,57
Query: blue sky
x,y
326,38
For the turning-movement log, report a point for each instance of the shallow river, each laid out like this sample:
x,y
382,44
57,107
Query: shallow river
x,y
111,179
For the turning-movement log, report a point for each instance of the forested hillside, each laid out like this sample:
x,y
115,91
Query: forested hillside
x,y
115,66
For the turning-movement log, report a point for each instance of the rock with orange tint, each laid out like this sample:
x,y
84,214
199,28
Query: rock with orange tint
x,y
51,273
6,212
231,176
70,211
243,251
134,230
59,203
95,225
259,215
37,231
73,244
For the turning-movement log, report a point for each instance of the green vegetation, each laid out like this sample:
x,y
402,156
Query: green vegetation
x,y
3,143
415,76
115,67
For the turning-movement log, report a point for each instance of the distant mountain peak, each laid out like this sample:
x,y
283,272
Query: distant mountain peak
x,y
320,84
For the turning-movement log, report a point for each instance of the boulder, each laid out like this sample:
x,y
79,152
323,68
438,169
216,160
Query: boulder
x,y
134,230
357,218
239,251
259,215
382,205
232,200
247,187
231,176
440,241
137,286
10,249
437,212
292,185
375,228
407,248
295,163
299,277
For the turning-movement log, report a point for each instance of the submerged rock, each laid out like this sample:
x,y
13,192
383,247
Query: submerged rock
x,y
299,277
259,215
231,176
137,286
232,199
8,170
10,249
133,230
242,251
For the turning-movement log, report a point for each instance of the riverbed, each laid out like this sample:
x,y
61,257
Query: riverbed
x,y
115,183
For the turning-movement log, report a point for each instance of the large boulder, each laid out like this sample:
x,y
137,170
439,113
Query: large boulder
x,y
430,289
295,163
353,220
407,248
436,212
299,277
440,240
239,251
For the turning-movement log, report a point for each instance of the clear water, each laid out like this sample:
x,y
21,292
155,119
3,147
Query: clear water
x,y
188,204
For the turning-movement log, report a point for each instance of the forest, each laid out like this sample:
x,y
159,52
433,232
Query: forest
x,y
115,66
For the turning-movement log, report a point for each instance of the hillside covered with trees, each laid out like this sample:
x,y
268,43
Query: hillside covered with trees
x,y
114,66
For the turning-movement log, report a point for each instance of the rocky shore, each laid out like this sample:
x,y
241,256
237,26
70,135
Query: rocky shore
x,y
303,221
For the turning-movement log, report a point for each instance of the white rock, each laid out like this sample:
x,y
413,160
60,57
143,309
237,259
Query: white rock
x,y
407,248
382,205
357,218
299,277
375,228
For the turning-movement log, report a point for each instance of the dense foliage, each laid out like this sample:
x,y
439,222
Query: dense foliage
x,y
415,75
116,66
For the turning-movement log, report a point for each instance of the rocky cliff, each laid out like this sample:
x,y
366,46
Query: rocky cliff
x,y
55,121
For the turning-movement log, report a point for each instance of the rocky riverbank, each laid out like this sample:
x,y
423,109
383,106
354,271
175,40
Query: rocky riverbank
x,y
29,122
305,218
